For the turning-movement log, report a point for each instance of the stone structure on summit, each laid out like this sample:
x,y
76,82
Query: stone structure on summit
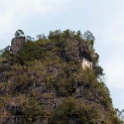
x,y
18,42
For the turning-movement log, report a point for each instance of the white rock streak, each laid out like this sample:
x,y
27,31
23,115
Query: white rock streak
x,y
86,63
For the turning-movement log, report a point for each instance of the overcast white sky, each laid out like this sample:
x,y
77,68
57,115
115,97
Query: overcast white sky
x,y
105,19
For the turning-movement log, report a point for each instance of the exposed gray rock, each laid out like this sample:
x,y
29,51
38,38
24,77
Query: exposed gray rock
x,y
76,51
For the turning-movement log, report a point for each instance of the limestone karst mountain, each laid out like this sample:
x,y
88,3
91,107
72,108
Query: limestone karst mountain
x,y
54,80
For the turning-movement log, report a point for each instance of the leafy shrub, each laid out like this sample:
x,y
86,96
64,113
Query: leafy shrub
x,y
72,108
33,112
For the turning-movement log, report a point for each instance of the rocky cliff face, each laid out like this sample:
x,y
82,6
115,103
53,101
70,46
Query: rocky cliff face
x,y
53,88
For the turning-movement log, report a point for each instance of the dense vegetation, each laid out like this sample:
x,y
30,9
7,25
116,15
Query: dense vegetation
x,y
49,59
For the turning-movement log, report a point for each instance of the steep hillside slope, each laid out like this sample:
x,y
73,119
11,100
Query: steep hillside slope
x,y
45,83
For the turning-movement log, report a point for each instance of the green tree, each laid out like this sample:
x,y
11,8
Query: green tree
x,y
6,52
88,36
19,33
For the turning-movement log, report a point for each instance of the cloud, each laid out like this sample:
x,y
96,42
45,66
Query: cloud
x,y
114,68
14,14
117,98
112,43
30,7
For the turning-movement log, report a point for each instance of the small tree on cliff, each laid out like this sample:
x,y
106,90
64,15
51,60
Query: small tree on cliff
x,y
88,36
19,33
